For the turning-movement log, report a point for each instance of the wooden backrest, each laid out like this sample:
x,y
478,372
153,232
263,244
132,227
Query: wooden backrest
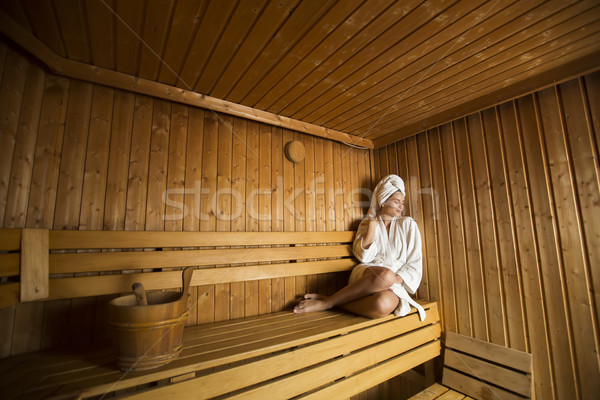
x,y
485,370
56,264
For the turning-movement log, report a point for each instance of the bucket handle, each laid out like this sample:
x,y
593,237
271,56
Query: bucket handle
x,y
187,279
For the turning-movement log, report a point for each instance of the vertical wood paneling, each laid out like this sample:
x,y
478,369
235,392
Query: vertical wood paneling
x,y
118,161
488,239
354,198
338,186
3,52
263,196
176,168
70,181
515,231
324,281
585,177
477,305
347,183
291,284
364,183
135,212
206,294
252,182
329,183
447,299
193,179
223,206
402,163
90,157
590,88
427,228
80,312
319,185
544,228
412,184
510,279
173,196
277,208
526,243
22,161
238,207
571,243
383,163
310,199
193,170
12,87
457,260
96,162
157,168
299,205
42,197
309,182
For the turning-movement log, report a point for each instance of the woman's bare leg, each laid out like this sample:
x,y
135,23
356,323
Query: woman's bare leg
x,y
373,280
377,305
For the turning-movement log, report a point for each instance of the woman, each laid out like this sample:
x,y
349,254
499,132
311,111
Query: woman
x,y
389,249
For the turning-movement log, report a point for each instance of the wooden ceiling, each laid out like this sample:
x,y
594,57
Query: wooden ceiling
x,y
376,69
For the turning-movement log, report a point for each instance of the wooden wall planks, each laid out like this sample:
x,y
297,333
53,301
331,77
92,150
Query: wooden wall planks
x,y
84,156
509,203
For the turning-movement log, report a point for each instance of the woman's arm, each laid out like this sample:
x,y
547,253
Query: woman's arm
x,y
364,247
369,237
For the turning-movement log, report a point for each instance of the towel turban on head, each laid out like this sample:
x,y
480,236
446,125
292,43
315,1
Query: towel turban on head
x,y
383,191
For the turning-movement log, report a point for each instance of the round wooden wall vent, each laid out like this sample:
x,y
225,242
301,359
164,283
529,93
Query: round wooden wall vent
x,y
294,151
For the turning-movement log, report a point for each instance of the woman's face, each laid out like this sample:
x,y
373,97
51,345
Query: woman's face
x,y
393,206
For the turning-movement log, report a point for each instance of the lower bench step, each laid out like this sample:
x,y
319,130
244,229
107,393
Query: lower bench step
x,y
439,392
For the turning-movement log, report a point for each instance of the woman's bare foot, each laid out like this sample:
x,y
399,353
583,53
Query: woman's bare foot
x,y
312,302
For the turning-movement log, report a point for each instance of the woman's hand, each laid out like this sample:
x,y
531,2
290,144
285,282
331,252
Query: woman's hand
x,y
370,235
399,279
373,224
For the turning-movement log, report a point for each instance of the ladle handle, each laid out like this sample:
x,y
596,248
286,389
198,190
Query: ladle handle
x,y
187,279
140,294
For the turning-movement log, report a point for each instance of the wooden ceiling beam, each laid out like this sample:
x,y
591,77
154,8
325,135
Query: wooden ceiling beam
x,y
90,73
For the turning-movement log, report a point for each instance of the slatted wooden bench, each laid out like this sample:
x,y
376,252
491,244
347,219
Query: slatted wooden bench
x,y
475,369
278,355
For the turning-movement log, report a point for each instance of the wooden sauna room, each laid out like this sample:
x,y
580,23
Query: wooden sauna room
x,y
242,140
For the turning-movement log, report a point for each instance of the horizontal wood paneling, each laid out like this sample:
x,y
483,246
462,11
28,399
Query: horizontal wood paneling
x,y
377,69
88,157
510,200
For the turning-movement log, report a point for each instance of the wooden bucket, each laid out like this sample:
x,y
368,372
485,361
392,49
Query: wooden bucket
x,y
149,336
